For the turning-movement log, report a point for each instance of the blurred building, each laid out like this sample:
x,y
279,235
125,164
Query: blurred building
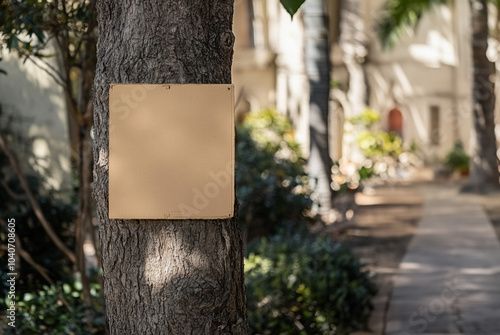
x,y
268,66
421,87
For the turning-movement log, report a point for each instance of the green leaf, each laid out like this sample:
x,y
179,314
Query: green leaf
x,y
28,297
66,288
292,6
78,286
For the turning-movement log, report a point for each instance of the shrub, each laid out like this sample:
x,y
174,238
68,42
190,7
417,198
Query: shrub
x,y
270,176
384,152
303,284
44,312
33,238
368,118
28,229
380,144
457,159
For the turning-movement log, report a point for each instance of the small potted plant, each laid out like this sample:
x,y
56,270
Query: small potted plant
x,y
457,159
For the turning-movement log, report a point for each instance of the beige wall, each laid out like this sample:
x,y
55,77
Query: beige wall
x,y
431,66
38,107
254,73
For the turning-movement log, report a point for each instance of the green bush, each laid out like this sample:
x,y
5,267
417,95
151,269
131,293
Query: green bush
x,y
457,159
380,144
377,144
368,118
28,230
45,313
303,284
270,177
31,234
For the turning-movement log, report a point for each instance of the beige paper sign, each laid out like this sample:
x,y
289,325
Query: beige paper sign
x,y
171,151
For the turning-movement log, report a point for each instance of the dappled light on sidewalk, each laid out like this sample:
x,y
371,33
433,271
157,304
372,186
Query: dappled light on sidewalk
x,y
436,257
448,281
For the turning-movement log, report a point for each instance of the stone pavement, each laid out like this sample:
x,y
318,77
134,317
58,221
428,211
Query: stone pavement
x,y
449,279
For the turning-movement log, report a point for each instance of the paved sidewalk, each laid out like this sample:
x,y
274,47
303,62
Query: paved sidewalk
x,y
449,279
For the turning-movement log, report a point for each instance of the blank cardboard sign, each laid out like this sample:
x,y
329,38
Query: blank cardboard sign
x,y
171,151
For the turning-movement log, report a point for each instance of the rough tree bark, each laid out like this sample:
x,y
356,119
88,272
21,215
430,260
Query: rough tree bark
x,y
318,71
165,277
484,164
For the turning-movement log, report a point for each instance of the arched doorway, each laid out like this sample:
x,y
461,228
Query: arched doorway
x,y
395,121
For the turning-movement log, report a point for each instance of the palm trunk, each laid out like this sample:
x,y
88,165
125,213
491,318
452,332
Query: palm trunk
x,y
164,276
484,164
318,72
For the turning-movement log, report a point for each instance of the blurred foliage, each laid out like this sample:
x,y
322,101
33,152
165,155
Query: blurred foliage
x,y
380,144
396,16
30,232
44,312
32,235
347,176
368,118
270,176
298,283
385,154
457,158
376,143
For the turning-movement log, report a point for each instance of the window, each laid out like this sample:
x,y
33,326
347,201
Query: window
x,y
434,126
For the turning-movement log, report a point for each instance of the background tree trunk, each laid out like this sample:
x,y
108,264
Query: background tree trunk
x,y
165,277
352,42
318,72
484,164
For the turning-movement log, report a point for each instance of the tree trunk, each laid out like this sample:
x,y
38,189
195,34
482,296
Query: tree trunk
x,y
484,164
352,42
84,224
165,276
318,72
